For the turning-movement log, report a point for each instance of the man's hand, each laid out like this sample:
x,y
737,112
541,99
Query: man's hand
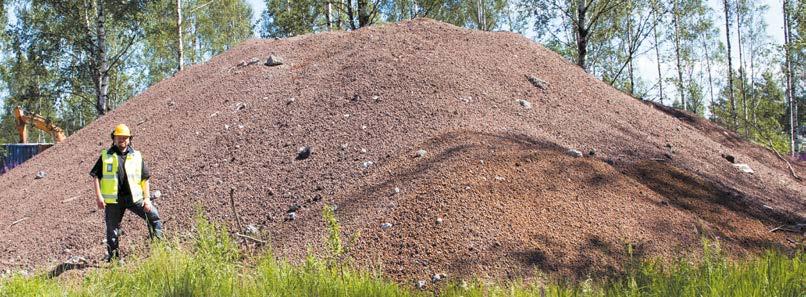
x,y
99,199
147,205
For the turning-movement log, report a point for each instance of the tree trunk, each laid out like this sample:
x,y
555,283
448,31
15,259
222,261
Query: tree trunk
x,y
581,35
741,68
478,14
351,14
102,71
753,99
337,12
328,15
363,13
789,93
675,21
710,78
657,53
180,48
730,67
194,40
630,45
481,18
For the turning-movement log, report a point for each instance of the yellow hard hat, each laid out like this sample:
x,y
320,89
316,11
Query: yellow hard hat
x,y
122,130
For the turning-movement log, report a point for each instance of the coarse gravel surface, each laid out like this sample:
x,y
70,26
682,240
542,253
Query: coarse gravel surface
x,y
510,200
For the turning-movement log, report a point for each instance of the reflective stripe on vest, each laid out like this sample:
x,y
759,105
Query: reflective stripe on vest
x,y
109,175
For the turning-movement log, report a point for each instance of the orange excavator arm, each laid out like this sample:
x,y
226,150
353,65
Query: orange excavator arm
x,y
23,118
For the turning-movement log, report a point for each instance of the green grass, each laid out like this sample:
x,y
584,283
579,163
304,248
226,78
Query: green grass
x,y
213,266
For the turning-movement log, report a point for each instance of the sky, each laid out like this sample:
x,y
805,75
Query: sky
x,y
257,8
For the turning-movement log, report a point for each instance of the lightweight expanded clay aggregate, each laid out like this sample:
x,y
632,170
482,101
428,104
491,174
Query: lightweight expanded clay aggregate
x,y
421,139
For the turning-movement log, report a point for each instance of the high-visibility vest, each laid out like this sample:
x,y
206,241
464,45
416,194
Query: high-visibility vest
x,y
109,175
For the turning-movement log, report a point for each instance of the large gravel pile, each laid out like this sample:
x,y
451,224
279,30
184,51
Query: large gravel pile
x,y
453,152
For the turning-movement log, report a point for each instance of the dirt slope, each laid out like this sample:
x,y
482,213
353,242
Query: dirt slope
x,y
512,201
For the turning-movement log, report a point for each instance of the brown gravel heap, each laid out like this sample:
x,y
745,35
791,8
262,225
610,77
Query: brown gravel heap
x,y
433,142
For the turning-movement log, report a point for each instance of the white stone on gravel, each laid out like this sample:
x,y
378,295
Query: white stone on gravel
x,y
420,284
575,153
251,229
421,153
76,260
744,168
525,104
386,226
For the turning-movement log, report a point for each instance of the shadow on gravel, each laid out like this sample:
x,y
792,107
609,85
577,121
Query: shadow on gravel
x,y
595,257
707,199
710,201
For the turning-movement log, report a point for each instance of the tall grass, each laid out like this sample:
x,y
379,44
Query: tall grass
x,y
213,266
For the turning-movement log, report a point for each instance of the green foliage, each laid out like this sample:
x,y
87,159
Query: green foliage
x,y
767,117
557,23
209,28
482,15
694,99
334,244
48,60
212,267
219,26
285,18
213,242
49,63
338,253
19,285
773,274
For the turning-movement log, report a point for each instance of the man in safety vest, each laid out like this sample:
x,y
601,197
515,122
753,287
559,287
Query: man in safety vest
x,y
121,183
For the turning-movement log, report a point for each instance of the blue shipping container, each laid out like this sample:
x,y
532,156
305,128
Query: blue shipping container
x,y
16,154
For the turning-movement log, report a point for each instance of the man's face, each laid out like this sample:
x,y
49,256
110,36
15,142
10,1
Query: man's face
x,y
121,141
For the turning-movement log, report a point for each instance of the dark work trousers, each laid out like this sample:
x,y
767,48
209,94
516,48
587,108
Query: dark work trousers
x,y
113,214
